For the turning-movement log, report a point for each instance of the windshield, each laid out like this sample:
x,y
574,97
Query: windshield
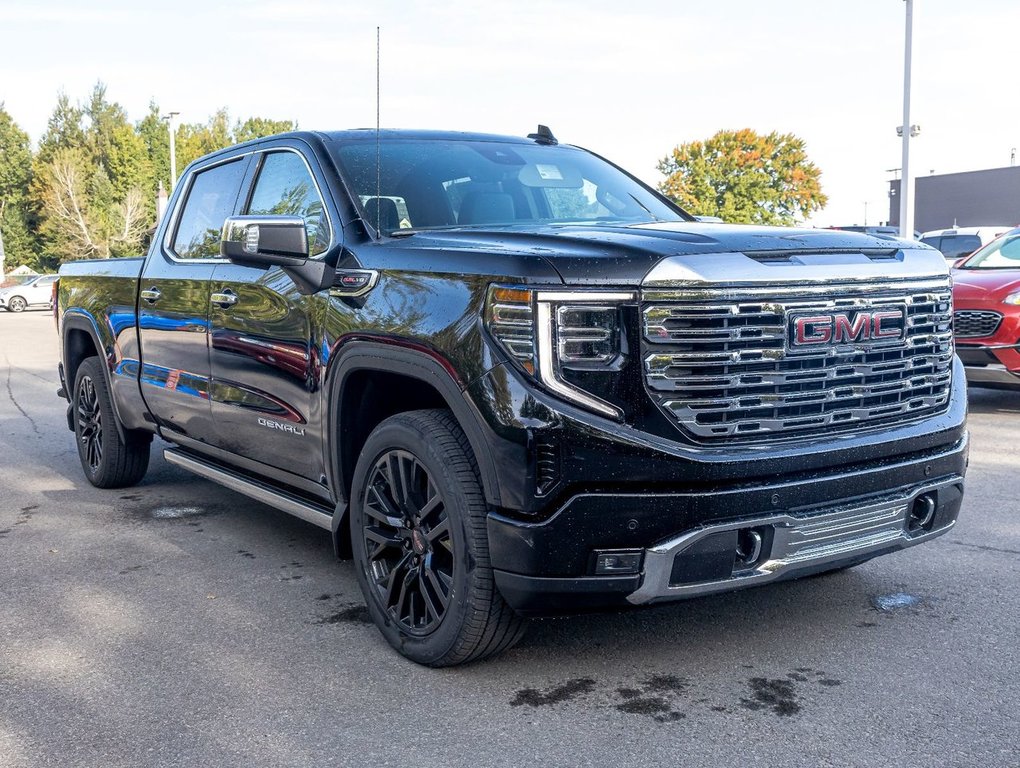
x,y
1003,253
436,183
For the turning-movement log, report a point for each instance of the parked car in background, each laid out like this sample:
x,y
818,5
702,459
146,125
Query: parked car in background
x,y
958,242
986,321
37,292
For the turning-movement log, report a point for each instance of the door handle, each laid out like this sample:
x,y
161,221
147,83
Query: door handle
x,y
151,295
224,299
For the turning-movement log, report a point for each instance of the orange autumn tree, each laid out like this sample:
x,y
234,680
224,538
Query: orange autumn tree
x,y
744,177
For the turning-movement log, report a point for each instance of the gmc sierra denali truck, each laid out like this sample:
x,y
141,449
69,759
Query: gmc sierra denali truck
x,y
511,379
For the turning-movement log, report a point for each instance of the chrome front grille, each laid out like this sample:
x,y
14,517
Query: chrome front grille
x,y
975,323
718,362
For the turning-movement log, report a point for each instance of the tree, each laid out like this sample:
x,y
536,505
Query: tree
x,y
260,127
743,177
17,243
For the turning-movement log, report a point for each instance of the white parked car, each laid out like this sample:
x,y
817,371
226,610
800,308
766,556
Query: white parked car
x,y
37,292
958,242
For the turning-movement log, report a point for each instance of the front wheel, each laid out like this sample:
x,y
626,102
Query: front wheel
x,y
418,532
17,304
108,460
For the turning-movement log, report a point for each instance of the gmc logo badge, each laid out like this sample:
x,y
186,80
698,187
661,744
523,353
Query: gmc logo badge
x,y
861,327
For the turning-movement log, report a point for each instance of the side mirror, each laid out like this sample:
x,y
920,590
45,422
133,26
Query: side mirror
x,y
275,241
265,241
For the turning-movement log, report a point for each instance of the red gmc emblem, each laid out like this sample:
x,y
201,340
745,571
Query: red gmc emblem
x,y
853,326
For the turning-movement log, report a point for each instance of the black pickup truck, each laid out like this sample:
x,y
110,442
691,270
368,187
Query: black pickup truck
x,y
513,380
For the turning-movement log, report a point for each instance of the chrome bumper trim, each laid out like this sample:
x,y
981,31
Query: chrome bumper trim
x,y
799,542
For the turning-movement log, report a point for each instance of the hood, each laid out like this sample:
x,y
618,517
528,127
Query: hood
x,y
599,254
985,284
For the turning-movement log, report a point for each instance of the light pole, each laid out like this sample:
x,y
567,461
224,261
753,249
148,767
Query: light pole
x,y
907,131
172,126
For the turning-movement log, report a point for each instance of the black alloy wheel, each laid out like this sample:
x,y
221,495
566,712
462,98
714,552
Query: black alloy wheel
x,y
111,456
90,424
419,538
408,542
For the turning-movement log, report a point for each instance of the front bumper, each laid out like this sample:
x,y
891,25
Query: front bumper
x,y
688,541
995,365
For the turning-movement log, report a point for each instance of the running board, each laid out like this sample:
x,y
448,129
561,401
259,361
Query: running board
x,y
282,500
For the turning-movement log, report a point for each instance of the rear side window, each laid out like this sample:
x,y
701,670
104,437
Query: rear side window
x,y
211,199
285,188
956,246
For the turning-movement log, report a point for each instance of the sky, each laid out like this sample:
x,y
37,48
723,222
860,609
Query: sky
x,y
629,80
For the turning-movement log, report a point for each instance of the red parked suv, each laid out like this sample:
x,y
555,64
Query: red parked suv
x,y
986,321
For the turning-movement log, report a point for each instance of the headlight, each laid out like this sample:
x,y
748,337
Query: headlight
x,y
1013,298
547,332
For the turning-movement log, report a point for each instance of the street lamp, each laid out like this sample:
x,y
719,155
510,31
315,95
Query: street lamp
x,y
171,124
907,131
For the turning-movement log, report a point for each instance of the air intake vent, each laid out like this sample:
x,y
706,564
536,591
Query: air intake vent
x,y
547,466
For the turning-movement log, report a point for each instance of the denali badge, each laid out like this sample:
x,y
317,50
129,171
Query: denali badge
x,y
860,327
281,426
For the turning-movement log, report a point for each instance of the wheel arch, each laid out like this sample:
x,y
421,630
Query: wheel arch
x,y
371,381
80,340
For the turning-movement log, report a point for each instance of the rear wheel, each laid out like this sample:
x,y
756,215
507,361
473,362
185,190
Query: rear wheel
x,y
108,461
421,552
17,304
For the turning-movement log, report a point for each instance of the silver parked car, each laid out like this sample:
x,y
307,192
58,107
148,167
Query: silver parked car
x,y
37,292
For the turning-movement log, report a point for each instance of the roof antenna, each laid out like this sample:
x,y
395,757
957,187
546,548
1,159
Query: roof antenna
x,y
378,172
543,135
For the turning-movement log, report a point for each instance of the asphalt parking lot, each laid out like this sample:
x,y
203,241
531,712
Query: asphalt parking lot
x,y
180,624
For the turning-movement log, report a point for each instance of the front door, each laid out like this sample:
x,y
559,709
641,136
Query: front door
x,y
173,304
264,361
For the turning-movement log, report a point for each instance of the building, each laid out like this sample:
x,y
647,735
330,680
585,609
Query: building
x,y
969,199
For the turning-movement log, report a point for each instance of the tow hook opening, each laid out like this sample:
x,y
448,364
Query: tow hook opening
x,y
750,548
922,513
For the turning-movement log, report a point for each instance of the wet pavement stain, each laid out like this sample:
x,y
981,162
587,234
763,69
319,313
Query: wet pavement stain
x,y
245,553
775,694
571,689
131,569
665,683
4,532
351,614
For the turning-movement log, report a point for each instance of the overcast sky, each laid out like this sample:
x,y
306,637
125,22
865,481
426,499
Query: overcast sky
x,y
629,80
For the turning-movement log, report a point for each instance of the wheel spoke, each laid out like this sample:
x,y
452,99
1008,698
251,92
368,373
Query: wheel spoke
x,y
437,587
439,530
431,505
383,541
389,514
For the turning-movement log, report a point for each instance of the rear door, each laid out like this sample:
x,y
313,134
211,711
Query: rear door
x,y
173,304
264,361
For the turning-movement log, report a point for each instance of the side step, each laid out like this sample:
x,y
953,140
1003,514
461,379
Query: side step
x,y
282,500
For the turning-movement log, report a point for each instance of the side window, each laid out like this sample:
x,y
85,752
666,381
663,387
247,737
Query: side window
x,y
210,201
285,188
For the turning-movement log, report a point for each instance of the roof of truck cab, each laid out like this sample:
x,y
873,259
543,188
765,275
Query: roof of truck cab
x,y
387,134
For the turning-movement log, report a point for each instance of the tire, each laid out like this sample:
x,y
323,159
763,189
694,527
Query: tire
x,y
16,304
418,534
108,461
